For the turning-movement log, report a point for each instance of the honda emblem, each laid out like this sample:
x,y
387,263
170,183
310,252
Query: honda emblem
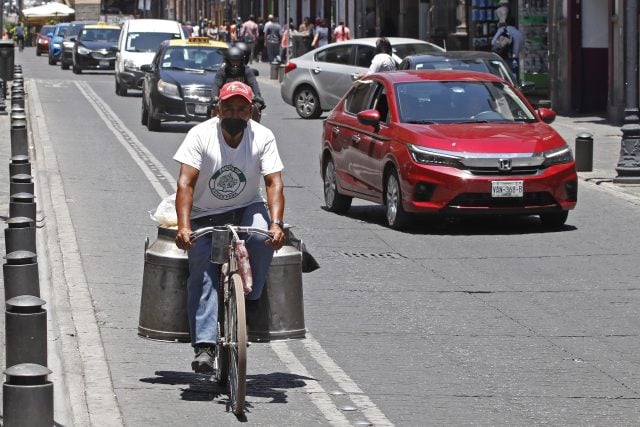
x,y
504,164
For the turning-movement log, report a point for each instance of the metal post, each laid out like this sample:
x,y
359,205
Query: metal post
x,y
26,331
20,235
628,167
19,164
20,274
22,204
27,396
584,152
21,183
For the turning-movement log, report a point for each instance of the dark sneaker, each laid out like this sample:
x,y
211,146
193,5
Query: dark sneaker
x,y
204,359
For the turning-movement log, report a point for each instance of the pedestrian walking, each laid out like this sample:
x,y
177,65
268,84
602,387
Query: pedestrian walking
x,y
321,37
259,51
20,36
249,35
382,61
272,34
306,31
507,42
341,33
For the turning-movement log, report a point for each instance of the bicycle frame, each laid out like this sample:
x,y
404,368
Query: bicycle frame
x,y
235,279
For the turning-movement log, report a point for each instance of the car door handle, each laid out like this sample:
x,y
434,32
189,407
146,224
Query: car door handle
x,y
355,76
317,70
355,139
335,130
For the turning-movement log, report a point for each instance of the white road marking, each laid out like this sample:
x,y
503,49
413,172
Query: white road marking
x,y
147,161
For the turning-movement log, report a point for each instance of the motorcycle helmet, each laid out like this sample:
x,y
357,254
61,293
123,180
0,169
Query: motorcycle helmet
x,y
234,61
243,46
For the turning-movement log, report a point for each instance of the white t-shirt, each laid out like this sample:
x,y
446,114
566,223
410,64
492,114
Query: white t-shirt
x,y
382,62
229,178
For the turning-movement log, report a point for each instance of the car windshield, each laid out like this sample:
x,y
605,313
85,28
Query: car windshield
x,y
460,102
193,58
100,34
406,49
74,30
47,29
495,67
147,42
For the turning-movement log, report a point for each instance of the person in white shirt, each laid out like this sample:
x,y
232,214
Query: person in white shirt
x,y
382,61
222,161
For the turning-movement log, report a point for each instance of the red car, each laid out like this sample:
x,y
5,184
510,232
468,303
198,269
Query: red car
x,y
42,39
449,142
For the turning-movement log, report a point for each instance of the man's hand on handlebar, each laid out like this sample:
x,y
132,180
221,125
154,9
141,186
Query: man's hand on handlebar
x,y
183,239
277,241
259,102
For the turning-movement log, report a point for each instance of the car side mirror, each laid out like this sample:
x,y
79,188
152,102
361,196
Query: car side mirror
x,y
255,72
369,118
72,39
147,68
547,115
526,86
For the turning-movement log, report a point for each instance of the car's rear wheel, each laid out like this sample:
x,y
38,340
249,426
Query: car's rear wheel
x,y
121,90
307,103
397,218
334,201
152,124
554,220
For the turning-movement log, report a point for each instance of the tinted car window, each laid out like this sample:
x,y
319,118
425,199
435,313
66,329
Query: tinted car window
x,y
201,58
147,42
407,49
381,103
359,98
96,34
460,102
339,54
364,55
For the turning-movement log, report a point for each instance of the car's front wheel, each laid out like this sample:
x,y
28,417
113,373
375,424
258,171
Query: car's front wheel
x,y
52,61
554,220
397,218
64,65
152,124
334,201
144,117
121,90
76,69
307,103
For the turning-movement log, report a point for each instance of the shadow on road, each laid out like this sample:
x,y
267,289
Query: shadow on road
x,y
460,225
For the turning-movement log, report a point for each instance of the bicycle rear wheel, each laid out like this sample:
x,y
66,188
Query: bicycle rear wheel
x,y
236,337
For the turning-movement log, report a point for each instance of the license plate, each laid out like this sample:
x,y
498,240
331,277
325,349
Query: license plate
x,y
201,108
104,63
507,188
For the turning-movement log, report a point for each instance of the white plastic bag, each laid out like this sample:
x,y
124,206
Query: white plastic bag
x,y
165,214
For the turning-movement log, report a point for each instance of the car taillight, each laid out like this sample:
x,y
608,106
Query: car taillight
x,y
290,67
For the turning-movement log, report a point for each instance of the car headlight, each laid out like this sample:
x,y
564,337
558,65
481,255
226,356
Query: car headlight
x,y
83,50
68,44
56,45
425,156
558,156
128,63
168,89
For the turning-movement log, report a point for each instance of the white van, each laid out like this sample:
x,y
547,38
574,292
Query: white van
x,y
138,43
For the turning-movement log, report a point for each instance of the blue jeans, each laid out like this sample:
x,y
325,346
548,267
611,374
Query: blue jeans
x,y
202,283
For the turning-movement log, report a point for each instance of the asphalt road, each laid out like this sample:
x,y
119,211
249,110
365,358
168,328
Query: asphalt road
x,y
487,321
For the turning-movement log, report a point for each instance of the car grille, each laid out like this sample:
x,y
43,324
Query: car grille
x,y
103,55
199,93
518,170
484,200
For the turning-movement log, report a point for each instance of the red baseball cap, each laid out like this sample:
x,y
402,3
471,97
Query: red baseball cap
x,y
236,89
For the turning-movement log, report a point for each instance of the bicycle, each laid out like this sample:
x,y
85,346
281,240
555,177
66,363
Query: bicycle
x,y
235,281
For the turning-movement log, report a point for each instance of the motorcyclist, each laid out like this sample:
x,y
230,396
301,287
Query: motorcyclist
x,y
235,69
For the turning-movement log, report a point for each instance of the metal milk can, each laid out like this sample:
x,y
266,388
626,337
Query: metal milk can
x,y
280,311
163,304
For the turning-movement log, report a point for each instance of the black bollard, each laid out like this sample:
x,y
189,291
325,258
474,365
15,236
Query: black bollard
x,y
20,275
20,235
19,164
22,204
584,152
17,110
27,396
19,141
25,331
21,183
17,98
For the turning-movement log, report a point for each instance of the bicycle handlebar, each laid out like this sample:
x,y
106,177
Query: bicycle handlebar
x,y
238,229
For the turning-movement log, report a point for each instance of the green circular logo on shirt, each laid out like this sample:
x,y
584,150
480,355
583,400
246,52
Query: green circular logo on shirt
x,y
227,183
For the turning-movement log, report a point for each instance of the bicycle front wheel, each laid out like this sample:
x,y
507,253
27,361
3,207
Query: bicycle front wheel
x,y
236,337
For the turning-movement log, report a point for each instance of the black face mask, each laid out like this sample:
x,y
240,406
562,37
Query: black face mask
x,y
233,126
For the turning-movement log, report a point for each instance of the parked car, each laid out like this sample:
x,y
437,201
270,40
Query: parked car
x,y
55,44
139,41
95,48
467,60
69,41
315,82
42,39
177,84
446,142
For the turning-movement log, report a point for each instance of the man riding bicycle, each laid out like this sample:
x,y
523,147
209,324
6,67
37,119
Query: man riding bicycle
x,y
234,69
222,160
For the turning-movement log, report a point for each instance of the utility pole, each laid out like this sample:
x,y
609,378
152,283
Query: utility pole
x,y
628,167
